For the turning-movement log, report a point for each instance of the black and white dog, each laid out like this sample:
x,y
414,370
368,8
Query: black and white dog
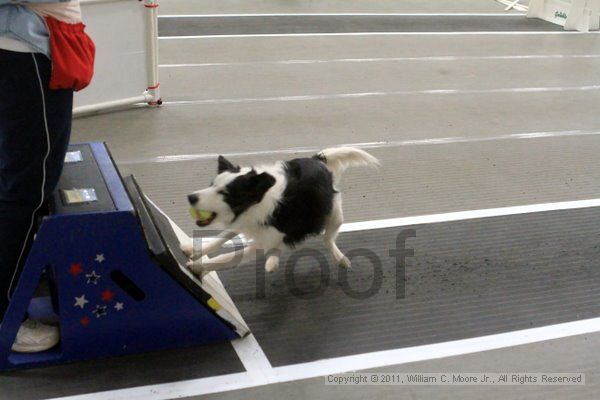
x,y
274,207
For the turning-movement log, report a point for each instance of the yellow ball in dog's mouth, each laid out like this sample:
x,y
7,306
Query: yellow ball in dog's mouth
x,y
201,216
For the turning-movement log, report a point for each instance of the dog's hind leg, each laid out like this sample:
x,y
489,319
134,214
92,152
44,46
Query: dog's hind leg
x,y
332,227
272,263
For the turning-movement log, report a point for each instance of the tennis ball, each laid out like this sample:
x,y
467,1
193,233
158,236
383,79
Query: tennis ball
x,y
200,215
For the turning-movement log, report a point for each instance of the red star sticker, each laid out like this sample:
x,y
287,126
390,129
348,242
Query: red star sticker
x,y
75,269
107,295
85,321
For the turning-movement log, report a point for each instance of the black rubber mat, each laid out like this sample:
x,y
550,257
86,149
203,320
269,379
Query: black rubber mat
x,y
466,279
574,353
263,25
120,372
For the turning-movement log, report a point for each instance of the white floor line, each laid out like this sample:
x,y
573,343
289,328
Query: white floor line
x,y
436,350
466,215
254,358
514,5
316,34
365,145
338,96
389,59
344,15
340,365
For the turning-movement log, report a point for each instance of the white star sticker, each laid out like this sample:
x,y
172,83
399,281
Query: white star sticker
x,y
119,306
100,258
80,301
93,278
99,311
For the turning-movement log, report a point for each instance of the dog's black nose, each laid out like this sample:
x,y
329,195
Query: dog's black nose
x,y
193,199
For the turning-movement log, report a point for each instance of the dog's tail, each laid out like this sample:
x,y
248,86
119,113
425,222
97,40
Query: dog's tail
x,y
338,159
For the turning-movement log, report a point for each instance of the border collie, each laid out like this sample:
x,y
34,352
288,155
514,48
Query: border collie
x,y
274,207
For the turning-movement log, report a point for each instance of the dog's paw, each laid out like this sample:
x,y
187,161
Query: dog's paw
x,y
191,264
344,262
188,248
197,266
272,264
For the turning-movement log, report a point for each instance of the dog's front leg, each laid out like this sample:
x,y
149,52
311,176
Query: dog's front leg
x,y
214,245
223,261
218,242
187,247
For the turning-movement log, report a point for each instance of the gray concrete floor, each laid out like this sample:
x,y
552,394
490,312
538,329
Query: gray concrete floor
x,y
421,180
483,173
328,6
238,108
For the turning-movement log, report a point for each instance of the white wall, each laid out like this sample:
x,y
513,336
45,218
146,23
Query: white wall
x,y
118,28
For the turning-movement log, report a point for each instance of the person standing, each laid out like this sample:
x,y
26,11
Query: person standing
x,y
44,56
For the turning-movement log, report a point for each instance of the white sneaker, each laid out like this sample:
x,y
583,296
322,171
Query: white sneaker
x,y
33,337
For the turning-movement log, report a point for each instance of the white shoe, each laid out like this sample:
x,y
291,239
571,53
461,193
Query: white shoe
x,y
33,337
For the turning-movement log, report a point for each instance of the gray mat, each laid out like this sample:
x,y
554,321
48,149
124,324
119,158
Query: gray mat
x,y
467,279
576,354
192,26
120,372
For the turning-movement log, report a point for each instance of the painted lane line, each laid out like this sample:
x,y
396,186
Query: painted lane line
x,y
365,145
436,351
357,95
513,5
390,59
343,15
254,359
339,365
466,215
317,34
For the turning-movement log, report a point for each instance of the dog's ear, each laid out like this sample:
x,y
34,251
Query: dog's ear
x,y
261,183
226,165
247,190
252,186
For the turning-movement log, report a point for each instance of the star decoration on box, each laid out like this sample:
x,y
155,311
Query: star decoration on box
x,y
107,295
100,258
119,306
93,278
80,301
75,269
100,311
85,321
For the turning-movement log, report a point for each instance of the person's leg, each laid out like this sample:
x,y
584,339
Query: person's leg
x,y
35,125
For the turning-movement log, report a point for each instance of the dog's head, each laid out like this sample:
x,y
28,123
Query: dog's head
x,y
231,193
